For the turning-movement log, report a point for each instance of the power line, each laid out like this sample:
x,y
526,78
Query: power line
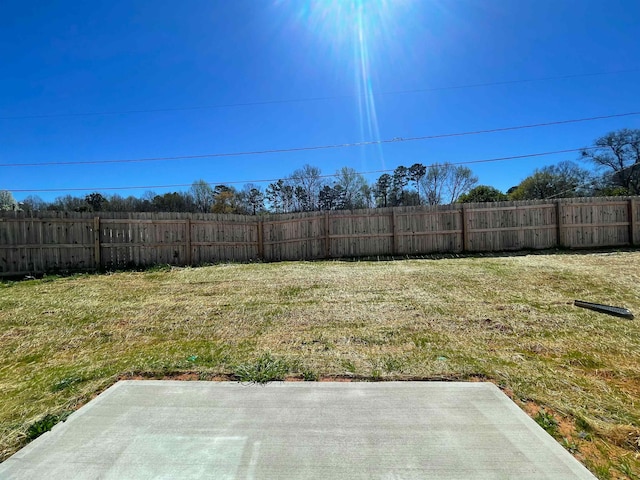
x,y
326,147
235,182
316,99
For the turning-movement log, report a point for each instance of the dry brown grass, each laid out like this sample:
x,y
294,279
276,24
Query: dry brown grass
x,y
507,319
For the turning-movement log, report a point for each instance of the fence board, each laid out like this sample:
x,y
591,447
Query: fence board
x,y
634,222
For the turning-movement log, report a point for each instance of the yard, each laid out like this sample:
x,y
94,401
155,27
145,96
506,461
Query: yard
x,y
506,319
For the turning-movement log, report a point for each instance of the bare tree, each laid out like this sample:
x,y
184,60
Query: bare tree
x,y
307,182
618,153
203,195
444,178
461,180
34,203
433,183
117,203
353,186
69,203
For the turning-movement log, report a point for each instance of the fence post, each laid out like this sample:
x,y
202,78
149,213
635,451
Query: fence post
x,y
41,242
394,238
327,239
559,232
96,242
465,228
260,226
633,205
187,239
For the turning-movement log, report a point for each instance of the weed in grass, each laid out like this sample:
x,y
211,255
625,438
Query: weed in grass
x,y
349,366
547,421
65,383
601,470
625,467
376,375
570,445
265,369
45,424
393,364
309,375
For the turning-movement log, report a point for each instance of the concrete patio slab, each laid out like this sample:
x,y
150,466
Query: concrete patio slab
x,y
222,430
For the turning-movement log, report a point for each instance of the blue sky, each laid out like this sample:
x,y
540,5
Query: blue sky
x,y
64,58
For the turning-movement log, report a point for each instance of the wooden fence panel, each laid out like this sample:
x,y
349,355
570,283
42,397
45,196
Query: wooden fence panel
x,y
129,243
427,231
20,244
360,235
213,242
511,226
67,241
295,239
595,224
30,245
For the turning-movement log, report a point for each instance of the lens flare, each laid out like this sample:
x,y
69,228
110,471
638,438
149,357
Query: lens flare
x,y
368,118
357,35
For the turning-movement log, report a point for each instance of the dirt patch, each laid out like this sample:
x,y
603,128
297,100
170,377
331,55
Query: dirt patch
x,y
335,379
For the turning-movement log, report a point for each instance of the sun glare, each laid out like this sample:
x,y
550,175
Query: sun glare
x,y
368,117
356,32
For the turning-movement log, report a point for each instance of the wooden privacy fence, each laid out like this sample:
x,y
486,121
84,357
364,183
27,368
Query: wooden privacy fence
x,y
68,241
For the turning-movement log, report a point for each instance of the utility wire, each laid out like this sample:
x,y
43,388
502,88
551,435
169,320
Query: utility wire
x,y
315,99
326,147
175,185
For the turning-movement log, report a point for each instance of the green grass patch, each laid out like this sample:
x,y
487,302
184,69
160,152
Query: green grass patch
x,y
264,369
547,421
44,425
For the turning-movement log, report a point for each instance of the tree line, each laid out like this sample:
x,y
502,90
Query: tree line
x,y
616,157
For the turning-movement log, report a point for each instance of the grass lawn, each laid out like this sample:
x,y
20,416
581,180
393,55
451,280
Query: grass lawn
x,y
509,320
